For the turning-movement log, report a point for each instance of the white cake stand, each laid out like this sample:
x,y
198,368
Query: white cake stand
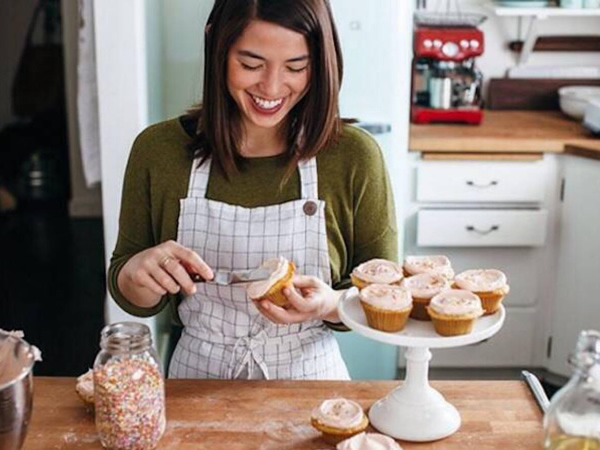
x,y
414,411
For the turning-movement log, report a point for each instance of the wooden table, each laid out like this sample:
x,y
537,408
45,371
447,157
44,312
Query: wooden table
x,y
231,415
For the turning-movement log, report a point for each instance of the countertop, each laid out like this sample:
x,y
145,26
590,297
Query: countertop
x,y
508,132
217,414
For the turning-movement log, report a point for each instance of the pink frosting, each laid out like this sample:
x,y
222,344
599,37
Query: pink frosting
x,y
278,267
426,285
429,264
456,302
369,441
378,271
339,413
481,280
386,296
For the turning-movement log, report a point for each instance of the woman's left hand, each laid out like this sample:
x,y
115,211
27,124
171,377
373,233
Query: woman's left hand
x,y
312,299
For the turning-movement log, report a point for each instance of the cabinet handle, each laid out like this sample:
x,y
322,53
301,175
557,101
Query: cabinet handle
x,y
483,232
483,186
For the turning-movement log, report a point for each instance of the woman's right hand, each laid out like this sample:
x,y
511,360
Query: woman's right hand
x,y
166,267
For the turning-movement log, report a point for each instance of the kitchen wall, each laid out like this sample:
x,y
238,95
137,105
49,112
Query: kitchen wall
x,y
500,30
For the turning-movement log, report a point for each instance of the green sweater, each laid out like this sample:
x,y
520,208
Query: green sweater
x,y
352,181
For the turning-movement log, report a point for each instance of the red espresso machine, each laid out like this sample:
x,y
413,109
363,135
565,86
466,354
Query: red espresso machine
x,y
446,83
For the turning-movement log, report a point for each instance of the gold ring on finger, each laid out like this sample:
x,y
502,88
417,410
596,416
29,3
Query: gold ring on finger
x,y
163,262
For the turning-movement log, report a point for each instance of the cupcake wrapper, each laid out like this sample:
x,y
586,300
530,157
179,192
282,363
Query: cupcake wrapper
x,y
385,320
490,302
275,294
448,326
360,284
419,311
334,436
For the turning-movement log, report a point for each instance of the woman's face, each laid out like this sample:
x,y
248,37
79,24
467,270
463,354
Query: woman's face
x,y
268,72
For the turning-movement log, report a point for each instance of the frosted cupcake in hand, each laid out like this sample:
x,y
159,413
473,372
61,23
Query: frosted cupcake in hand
x,y
434,264
272,288
490,285
376,271
453,312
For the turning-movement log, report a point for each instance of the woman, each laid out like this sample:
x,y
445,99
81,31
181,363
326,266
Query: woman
x,y
265,167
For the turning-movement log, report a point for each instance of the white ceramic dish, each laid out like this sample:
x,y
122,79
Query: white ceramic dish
x,y
574,99
591,119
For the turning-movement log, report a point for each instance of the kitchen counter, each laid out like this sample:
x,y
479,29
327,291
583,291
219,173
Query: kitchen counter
x,y
508,132
217,414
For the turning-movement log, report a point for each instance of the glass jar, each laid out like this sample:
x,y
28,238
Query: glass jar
x,y
129,388
572,421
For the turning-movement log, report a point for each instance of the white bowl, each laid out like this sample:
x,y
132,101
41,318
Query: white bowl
x,y
573,99
591,119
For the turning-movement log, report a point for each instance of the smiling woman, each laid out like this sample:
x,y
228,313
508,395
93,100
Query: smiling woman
x,y
263,168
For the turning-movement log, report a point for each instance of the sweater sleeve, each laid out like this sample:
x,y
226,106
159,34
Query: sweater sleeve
x,y
135,222
375,229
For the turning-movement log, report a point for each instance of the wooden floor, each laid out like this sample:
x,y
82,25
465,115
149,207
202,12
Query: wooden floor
x,y
52,285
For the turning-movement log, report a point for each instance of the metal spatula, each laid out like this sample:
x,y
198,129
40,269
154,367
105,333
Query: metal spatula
x,y
224,278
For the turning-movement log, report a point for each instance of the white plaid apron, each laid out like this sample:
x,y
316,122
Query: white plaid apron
x,y
224,335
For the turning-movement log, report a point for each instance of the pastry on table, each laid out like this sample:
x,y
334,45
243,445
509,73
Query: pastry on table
x,y
490,285
85,388
423,287
272,288
369,441
453,312
376,271
439,264
338,419
386,306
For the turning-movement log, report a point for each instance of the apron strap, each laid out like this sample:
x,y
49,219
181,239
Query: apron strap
x,y
308,179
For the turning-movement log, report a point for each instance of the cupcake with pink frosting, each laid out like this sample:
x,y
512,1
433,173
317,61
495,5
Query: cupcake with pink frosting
x,y
423,288
281,273
453,312
386,306
376,271
369,441
338,419
434,264
490,285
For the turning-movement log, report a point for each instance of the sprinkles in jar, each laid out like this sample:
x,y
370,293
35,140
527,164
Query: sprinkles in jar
x,y
129,388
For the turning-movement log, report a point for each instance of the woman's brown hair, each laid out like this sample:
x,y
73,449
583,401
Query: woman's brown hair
x,y
314,123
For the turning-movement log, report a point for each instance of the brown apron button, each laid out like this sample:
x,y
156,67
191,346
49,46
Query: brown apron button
x,y
310,208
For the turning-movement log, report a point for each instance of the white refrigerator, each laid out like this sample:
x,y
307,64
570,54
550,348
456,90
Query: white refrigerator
x,y
149,68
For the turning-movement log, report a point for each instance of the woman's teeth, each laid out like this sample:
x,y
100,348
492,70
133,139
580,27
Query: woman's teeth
x,y
267,104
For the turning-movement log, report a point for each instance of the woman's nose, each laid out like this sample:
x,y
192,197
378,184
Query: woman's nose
x,y
271,82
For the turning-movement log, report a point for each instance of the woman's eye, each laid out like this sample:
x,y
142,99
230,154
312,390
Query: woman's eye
x,y
297,70
248,67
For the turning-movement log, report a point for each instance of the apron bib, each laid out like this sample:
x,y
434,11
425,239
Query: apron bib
x,y
224,335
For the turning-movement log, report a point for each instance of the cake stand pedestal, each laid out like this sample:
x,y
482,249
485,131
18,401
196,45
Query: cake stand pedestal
x,y
414,411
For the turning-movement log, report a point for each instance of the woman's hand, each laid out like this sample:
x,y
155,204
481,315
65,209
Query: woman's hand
x,y
150,274
312,299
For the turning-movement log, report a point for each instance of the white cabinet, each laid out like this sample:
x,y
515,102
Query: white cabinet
x,y
491,214
577,291
481,227
484,182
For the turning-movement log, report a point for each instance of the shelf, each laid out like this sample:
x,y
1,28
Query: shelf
x,y
542,13
535,15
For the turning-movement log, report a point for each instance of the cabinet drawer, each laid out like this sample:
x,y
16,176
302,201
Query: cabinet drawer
x,y
480,182
512,346
481,228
